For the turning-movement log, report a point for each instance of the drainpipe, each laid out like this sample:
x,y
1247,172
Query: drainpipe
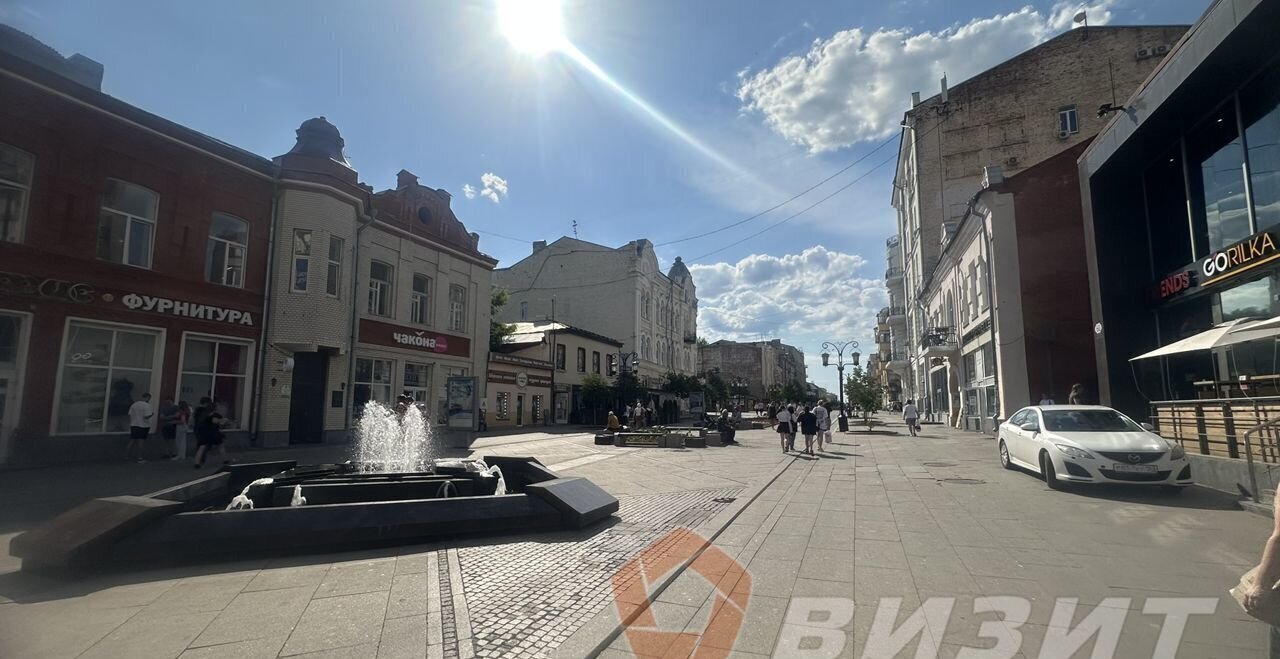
x,y
361,225
995,322
261,366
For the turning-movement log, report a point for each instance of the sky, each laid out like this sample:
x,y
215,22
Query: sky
x,y
663,119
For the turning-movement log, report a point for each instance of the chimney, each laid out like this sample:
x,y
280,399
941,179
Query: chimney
x,y
945,96
915,99
475,240
405,178
539,245
992,175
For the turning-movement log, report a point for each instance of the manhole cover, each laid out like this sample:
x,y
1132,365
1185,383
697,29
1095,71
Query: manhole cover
x,y
963,481
939,464
725,499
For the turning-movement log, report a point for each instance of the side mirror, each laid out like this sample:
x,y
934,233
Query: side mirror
x,y
1148,427
1030,427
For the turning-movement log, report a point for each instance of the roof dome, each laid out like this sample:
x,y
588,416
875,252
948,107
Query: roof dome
x,y
318,137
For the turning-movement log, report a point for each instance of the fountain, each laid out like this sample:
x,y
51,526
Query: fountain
x,y
397,489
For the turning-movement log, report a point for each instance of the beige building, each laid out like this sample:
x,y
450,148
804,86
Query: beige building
x,y
518,389
370,295
1014,116
574,353
613,292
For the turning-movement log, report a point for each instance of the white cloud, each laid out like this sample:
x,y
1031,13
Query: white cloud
x,y
803,299
468,191
495,187
855,85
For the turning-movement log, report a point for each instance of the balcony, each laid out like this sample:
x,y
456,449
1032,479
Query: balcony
x,y
898,359
884,338
893,275
895,315
938,342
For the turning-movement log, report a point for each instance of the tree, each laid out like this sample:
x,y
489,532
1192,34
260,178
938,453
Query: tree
x,y
680,384
596,394
862,389
498,332
794,392
715,390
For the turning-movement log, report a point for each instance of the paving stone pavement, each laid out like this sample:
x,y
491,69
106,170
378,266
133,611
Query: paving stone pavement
x,y
490,597
884,515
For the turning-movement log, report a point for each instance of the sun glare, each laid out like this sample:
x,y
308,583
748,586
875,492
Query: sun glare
x,y
534,27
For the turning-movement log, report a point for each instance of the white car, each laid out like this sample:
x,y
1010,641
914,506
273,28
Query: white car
x,y
1090,444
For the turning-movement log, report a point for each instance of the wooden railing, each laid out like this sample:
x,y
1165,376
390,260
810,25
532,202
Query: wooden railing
x,y
1219,426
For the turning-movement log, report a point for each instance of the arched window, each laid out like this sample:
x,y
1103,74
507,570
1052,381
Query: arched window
x,y
228,246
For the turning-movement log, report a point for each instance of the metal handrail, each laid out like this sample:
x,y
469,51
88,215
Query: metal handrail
x,y
1248,455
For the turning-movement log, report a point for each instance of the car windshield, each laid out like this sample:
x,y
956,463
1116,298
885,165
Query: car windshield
x,y
1088,421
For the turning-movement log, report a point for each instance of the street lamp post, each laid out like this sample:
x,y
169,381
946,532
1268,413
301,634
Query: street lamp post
x,y
827,348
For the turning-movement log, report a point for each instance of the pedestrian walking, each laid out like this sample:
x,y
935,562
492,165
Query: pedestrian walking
x,y
824,423
180,431
809,428
651,415
1261,598
140,414
1076,397
209,438
786,431
169,427
911,416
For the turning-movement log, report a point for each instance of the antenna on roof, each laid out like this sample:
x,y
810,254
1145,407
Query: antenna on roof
x,y
575,228
1082,17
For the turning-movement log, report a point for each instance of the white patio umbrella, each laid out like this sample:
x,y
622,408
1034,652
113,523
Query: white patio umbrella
x,y
1225,334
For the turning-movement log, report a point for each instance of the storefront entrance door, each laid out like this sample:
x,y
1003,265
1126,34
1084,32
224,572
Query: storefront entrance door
x,y
562,408
307,398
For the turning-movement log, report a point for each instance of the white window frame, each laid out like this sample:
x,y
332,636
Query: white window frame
x,y
426,389
226,245
129,219
390,385
457,309
333,273
376,290
245,405
1068,120
303,258
420,301
157,368
19,233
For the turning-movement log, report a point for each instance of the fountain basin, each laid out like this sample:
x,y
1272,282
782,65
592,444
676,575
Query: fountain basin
x,y
350,509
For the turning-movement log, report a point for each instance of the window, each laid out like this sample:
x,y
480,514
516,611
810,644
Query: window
x,y
417,381
503,412
1068,121
333,278
1260,109
420,303
537,408
225,257
105,370
613,364
971,367
524,311
216,369
582,360
372,382
301,259
560,357
457,308
16,168
126,225
1215,159
595,362
380,277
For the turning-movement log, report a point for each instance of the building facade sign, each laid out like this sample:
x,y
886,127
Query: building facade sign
x,y
521,379
386,334
164,305
1220,266
54,289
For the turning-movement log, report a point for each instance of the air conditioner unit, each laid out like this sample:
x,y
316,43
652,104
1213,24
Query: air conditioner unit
x,y
1063,134
1161,49
1144,53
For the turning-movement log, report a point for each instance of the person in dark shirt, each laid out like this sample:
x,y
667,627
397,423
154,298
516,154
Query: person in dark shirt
x,y
808,428
209,437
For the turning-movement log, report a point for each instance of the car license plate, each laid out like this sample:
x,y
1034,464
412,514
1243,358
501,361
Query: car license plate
x,y
1135,469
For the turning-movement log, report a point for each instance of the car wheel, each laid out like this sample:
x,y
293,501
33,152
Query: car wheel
x,y
1050,474
1004,456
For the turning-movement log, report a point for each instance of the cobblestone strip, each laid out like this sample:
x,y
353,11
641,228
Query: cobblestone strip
x,y
526,598
462,619
435,612
448,626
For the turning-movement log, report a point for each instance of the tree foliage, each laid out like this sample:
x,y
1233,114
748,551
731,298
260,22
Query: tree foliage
x,y
863,390
596,395
498,332
680,384
717,393
794,391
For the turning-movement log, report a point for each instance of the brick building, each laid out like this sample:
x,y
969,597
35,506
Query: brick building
x,y
133,260
1014,115
762,365
1006,317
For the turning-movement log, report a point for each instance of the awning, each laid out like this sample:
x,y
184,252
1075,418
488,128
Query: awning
x,y
1229,333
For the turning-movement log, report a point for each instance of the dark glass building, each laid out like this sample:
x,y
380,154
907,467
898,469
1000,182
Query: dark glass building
x,y
1182,217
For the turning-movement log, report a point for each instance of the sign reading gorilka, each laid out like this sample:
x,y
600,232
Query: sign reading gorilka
x,y
1219,266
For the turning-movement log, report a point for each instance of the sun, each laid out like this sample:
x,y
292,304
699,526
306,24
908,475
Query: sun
x,y
534,27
